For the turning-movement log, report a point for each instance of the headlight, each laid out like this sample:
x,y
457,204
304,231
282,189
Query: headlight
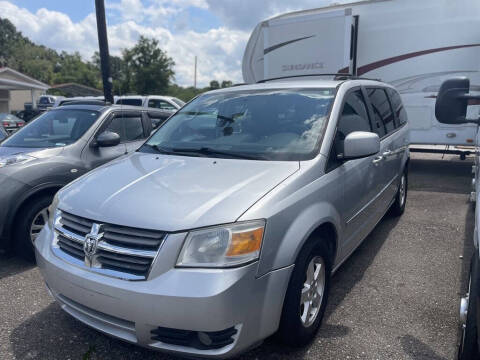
x,y
15,159
223,246
53,212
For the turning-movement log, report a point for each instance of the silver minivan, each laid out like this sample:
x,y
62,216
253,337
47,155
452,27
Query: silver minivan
x,y
226,225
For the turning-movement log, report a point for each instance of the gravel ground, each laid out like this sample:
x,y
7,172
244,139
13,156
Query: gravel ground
x,y
396,298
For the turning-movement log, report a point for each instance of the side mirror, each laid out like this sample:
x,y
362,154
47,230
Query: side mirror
x,y
107,139
360,144
452,101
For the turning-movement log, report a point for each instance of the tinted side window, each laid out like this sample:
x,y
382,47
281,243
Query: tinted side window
x,y
129,128
354,117
398,107
383,115
157,119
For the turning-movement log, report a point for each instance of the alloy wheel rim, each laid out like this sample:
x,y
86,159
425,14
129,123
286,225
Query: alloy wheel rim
x,y
402,190
39,221
311,296
464,323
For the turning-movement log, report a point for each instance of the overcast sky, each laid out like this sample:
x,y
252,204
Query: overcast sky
x,y
214,30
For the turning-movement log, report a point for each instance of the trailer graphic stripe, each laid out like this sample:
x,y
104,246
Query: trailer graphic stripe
x,y
381,63
275,47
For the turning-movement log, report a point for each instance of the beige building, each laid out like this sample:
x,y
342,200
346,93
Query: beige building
x,y
16,89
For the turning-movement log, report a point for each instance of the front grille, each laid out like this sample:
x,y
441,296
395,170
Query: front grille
x,y
201,340
120,251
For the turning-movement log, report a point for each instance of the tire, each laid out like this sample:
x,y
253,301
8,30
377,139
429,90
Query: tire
x,y
296,329
28,220
398,206
468,349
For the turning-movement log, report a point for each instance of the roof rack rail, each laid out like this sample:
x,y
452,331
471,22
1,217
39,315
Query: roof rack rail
x,y
337,76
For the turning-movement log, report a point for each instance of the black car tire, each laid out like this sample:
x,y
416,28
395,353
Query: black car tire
x,y
22,240
292,331
398,206
468,349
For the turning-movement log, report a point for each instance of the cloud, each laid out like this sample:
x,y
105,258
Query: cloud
x,y
152,11
219,50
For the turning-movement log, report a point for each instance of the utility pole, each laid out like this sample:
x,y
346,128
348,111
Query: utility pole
x,y
104,55
195,74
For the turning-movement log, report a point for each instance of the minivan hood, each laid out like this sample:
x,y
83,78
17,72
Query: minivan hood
x,y
172,193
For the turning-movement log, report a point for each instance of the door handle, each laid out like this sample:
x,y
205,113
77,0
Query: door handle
x,y
377,160
387,153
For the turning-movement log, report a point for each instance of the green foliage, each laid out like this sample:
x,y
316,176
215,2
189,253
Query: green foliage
x,y
143,69
185,94
150,68
226,83
214,85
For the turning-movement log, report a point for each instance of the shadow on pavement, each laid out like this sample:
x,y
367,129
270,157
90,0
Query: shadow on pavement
x,y
418,350
11,265
453,175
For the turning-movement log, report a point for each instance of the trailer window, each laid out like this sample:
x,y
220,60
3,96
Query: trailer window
x,y
398,107
384,119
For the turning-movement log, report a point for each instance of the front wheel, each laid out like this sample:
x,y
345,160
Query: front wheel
x,y
398,206
468,349
306,296
30,221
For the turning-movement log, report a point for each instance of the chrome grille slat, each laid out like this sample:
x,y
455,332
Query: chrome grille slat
x,y
65,240
71,247
125,250
128,259
121,265
77,219
81,229
133,232
132,241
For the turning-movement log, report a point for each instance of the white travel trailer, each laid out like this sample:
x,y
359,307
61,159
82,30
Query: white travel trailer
x,y
414,45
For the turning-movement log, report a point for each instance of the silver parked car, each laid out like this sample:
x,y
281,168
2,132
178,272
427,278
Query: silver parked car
x,y
227,224
10,122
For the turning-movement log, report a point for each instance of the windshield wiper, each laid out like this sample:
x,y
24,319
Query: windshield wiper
x,y
210,151
161,149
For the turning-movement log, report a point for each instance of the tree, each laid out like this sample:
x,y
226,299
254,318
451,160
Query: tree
x,y
214,85
226,83
150,68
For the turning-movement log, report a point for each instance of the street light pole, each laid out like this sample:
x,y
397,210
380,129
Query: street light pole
x,y
104,55
195,74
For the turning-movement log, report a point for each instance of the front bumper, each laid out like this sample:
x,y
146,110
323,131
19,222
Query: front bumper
x,y
200,300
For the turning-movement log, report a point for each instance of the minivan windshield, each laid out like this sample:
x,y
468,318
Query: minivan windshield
x,y
53,129
285,124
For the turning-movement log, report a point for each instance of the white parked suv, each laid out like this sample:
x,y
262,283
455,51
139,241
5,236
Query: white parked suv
x,y
151,101
227,224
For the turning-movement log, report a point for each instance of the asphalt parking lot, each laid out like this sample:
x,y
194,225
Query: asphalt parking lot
x,y
396,298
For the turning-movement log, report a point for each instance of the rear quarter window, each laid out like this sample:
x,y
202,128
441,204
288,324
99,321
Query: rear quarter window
x,y
398,107
383,113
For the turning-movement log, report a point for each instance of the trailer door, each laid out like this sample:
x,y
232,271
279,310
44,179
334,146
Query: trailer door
x,y
309,44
